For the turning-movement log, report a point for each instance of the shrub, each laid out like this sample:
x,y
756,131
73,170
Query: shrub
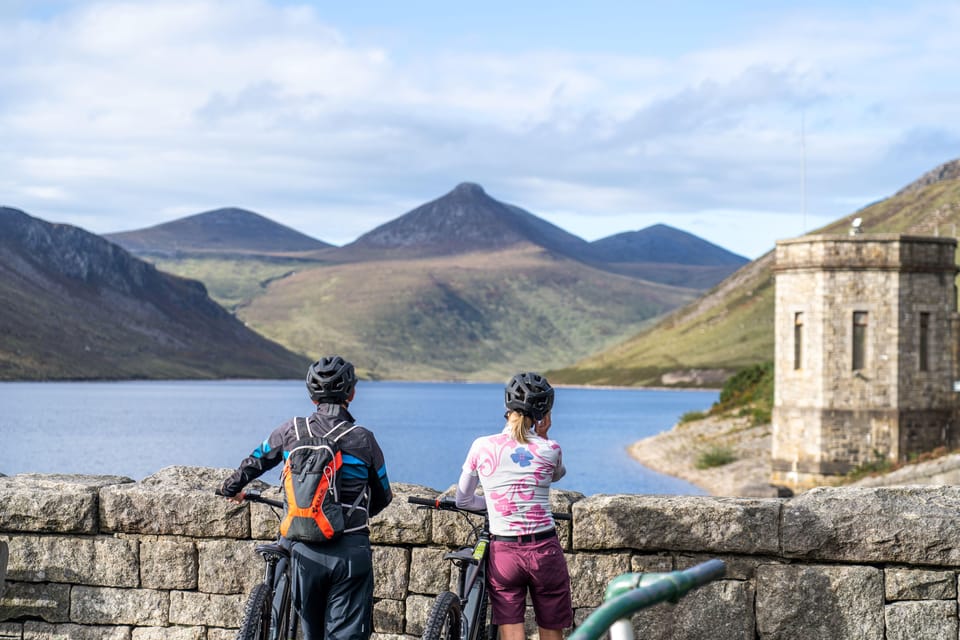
x,y
715,456
751,391
691,416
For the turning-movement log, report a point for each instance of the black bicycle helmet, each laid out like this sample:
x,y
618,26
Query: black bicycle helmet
x,y
529,394
331,380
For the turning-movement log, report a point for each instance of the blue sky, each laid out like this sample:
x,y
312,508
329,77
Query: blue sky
x,y
742,122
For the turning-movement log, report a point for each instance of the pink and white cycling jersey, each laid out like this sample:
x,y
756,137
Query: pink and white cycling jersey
x,y
516,480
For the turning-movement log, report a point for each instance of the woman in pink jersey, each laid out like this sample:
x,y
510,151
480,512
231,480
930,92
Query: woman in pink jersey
x,y
515,468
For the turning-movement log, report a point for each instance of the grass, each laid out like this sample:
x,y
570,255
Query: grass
x,y
881,465
692,416
232,283
715,456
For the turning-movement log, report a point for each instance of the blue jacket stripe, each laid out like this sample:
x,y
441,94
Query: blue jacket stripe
x,y
262,450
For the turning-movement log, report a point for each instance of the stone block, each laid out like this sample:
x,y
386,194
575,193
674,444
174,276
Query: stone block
x,y
651,563
417,609
177,501
429,572
388,616
52,503
214,633
904,525
109,606
591,572
11,631
168,633
919,584
228,566
817,602
927,619
49,602
213,610
168,563
720,609
43,631
391,572
100,561
402,522
264,519
678,523
738,567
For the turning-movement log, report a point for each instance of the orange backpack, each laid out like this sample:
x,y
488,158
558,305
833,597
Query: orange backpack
x,y
311,485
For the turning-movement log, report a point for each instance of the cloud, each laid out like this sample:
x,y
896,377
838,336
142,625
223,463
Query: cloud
x,y
117,114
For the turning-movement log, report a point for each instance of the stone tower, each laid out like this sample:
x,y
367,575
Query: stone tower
x,y
865,353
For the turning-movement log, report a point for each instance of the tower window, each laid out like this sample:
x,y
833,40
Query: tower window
x,y
859,340
798,340
924,345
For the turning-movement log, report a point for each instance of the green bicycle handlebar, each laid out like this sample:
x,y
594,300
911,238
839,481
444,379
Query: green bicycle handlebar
x,y
663,587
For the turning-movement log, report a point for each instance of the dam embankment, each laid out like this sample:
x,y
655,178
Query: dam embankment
x,y
164,558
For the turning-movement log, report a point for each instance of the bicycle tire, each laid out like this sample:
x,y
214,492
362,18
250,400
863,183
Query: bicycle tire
x,y
256,614
444,621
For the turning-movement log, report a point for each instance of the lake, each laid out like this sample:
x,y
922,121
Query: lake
x,y
136,428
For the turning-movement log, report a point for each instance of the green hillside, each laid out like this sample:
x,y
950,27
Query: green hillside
x,y
232,282
732,325
472,316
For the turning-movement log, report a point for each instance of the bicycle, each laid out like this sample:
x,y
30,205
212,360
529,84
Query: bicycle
x,y
630,592
268,613
463,615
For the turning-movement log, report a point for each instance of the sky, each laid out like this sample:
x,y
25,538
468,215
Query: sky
x,y
742,122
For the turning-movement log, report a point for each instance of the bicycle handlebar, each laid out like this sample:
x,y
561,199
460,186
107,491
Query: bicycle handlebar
x,y
254,496
446,503
671,586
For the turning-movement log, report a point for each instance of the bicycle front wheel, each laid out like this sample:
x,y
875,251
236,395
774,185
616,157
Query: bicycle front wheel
x,y
256,615
445,619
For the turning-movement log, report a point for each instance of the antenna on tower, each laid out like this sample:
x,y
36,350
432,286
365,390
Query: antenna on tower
x,y
803,166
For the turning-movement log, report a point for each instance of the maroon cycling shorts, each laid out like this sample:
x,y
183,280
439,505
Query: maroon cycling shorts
x,y
515,567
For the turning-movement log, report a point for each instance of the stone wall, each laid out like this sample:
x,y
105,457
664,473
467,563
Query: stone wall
x,y
164,558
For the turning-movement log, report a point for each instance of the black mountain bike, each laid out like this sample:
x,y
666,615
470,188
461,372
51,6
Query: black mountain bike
x,y
463,615
268,614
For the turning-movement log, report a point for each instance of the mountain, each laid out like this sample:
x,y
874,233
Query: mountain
x,y
222,231
462,287
663,254
663,244
731,326
76,306
463,221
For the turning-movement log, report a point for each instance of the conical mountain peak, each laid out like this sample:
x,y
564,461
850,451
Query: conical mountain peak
x,y
226,230
467,219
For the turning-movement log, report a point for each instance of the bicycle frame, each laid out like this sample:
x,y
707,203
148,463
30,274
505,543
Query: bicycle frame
x,y
472,565
472,581
277,618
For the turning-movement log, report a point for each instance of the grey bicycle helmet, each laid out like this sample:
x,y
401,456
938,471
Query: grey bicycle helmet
x,y
330,379
530,394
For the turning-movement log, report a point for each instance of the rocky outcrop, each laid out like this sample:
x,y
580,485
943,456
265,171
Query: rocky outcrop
x,y
106,557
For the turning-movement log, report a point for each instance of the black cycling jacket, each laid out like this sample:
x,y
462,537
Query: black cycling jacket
x,y
363,464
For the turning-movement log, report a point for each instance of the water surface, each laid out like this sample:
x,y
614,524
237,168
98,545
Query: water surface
x,y
425,429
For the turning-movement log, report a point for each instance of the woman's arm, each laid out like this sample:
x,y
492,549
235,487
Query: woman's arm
x,y
467,497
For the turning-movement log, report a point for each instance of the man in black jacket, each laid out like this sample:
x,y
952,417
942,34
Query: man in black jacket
x,y
334,580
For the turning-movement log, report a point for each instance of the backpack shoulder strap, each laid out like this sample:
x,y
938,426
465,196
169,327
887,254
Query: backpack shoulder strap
x,y
344,428
301,427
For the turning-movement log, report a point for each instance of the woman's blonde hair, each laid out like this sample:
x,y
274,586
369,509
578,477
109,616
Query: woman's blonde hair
x,y
519,426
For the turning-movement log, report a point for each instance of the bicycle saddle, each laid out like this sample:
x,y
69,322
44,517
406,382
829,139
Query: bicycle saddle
x,y
272,550
462,555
